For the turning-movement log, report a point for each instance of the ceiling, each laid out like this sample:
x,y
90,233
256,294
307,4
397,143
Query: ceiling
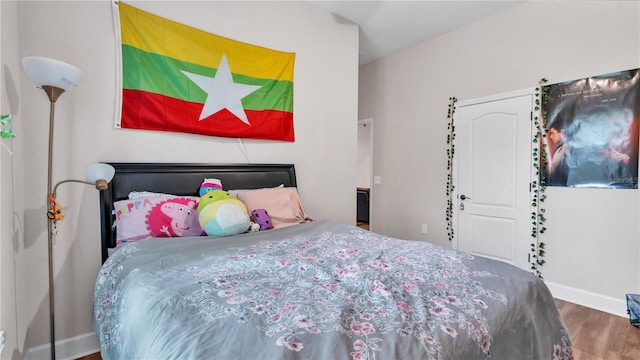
x,y
389,26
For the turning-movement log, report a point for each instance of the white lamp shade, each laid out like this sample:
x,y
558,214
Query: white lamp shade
x,y
100,171
46,71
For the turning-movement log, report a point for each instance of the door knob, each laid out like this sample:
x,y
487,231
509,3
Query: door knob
x,y
464,197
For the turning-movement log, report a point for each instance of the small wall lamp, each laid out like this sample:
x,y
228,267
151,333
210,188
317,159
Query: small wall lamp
x,y
97,174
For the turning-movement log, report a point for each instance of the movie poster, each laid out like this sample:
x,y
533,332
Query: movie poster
x,y
592,131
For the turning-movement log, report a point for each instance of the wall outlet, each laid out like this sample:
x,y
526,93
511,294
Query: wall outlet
x,y
376,179
423,229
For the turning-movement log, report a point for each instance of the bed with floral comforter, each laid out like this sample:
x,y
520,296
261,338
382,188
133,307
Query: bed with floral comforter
x,y
319,290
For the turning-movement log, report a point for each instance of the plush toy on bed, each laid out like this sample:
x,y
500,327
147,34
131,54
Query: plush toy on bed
x,y
262,218
210,185
221,213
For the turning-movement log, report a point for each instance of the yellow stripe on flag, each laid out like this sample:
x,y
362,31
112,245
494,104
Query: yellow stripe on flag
x,y
185,43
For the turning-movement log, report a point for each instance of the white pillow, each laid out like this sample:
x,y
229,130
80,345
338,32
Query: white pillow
x,y
139,194
239,191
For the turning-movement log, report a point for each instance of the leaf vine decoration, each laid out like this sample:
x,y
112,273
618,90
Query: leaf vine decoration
x,y
539,184
451,135
6,132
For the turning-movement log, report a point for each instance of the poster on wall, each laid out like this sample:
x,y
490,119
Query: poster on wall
x,y
181,79
592,131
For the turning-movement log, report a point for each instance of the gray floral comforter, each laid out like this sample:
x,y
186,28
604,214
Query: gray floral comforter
x,y
319,290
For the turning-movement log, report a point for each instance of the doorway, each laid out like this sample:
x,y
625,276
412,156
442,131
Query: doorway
x,y
493,170
364,193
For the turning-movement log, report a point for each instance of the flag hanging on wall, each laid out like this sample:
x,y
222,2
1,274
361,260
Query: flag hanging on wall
x,y
181,79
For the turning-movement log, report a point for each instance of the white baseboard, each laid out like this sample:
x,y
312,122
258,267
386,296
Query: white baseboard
x,y
67,349
604,303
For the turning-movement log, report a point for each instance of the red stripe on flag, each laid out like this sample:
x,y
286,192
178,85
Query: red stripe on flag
x,y
148,111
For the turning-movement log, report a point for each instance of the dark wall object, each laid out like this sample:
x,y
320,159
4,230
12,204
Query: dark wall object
x,y
363,205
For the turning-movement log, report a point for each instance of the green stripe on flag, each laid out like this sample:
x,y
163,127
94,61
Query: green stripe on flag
x,y
159,74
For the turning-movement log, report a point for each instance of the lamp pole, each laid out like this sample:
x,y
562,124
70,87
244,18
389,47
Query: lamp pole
x,y
53,93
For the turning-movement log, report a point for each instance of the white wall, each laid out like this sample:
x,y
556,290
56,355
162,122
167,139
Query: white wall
x,y
81,33
12,276
593,236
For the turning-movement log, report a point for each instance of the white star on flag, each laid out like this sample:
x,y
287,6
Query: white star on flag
x,y
222,92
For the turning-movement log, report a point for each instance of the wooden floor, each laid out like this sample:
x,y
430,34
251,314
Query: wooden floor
x,y
95,356
595,335
599,335
363,225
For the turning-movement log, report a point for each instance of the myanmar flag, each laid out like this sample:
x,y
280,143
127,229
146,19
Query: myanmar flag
x,y
178,78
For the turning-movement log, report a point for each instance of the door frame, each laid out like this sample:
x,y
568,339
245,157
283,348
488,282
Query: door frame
x,y
455,174
369,123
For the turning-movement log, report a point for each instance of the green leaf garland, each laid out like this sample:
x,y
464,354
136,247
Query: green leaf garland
x,y
6,132
450,153
539,184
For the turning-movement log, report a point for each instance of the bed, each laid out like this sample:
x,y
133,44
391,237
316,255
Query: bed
x,y
313,290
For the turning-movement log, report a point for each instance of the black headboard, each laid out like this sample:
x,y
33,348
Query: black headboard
x,y
182,179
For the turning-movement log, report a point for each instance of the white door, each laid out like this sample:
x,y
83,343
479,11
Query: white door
x,y
493,158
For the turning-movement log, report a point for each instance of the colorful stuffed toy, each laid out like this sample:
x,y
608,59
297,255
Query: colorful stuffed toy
x,y
262,218
221,213
55,211
210,184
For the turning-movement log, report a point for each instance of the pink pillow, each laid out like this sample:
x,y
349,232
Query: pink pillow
x,y
158,216
282,204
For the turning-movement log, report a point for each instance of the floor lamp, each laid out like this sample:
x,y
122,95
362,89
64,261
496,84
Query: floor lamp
x,y
55,77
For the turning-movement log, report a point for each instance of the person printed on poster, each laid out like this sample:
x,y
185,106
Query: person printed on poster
x,y
592,132
559,165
